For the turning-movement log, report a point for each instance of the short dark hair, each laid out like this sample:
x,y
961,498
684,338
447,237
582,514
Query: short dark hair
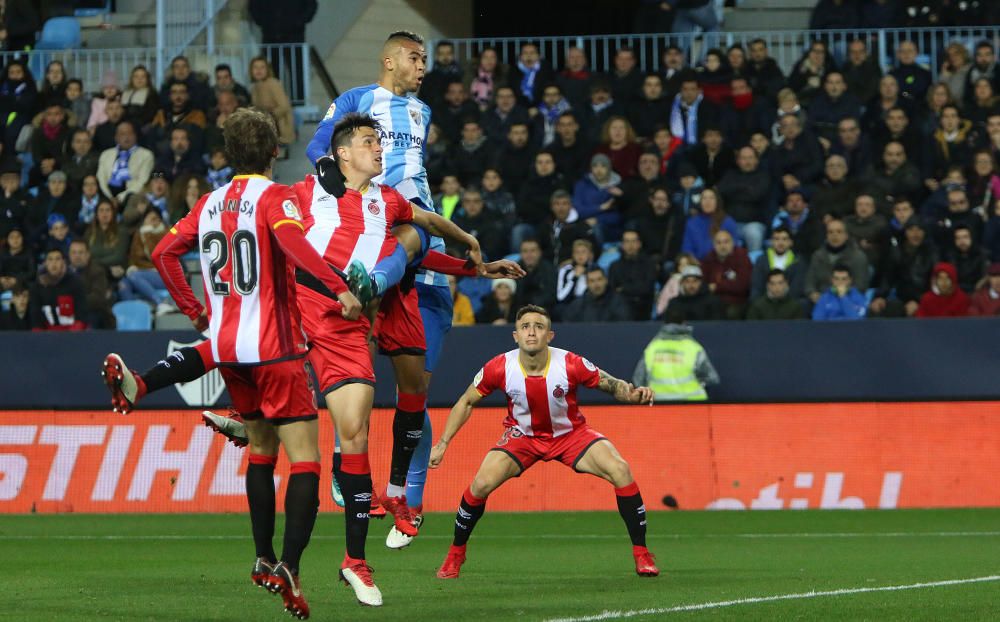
x,y
841,268
406,34
984,44
76,81
560,194
180,128
526,309
687,75
782,229
223,67
78,131
80,241
251,139
960,227
597,268
347,126
776,272
54,249
129,123
533,240
444,43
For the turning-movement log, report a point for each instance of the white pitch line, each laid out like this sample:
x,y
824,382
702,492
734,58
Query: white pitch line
x,y
618,615
551,536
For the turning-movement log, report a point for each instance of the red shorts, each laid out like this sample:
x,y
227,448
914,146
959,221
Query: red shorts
x,y
398,326
527,450
280,392
339,348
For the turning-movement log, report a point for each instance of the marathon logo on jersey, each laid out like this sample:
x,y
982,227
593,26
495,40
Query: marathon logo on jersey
x,y
403,140
558,392
204,391
291,210
374,208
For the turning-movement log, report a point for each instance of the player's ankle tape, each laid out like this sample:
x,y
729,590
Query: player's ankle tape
x,y
628,491
262,459
305,467
355,464
411,402
472,499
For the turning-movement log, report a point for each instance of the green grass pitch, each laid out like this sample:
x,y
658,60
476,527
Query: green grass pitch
x,y
521,566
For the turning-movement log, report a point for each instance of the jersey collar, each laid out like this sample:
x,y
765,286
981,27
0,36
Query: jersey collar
x,y
545,370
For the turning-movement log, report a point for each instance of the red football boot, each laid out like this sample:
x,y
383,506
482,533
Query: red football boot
x,y
401,514
283,581
377,510
126,388
645,563
262,569
452,564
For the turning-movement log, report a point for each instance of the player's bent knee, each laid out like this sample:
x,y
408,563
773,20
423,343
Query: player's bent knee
x,y
619,472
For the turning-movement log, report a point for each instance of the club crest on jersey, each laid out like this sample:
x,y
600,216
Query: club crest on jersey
x,y
373,207
415,115
291,210
558,392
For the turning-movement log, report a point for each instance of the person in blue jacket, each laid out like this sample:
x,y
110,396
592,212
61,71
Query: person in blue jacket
x,y
702,226
842,301
595,198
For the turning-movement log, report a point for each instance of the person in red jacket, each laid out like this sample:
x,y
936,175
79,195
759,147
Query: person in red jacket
x,y
986,299
728,273
945,299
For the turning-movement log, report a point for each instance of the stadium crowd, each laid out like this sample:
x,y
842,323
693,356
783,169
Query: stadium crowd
x,y
727,190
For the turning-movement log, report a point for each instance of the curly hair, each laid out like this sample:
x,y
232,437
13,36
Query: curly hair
x,y
251,139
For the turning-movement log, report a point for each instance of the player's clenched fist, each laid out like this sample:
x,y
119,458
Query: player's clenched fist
x,y
437,454
351,306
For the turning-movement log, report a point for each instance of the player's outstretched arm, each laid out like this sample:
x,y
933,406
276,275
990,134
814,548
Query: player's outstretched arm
x,y
459,414
448,230
624,392
446,264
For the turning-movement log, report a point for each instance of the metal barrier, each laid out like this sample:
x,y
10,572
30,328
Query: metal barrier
x,y
291,63
178,25
786,46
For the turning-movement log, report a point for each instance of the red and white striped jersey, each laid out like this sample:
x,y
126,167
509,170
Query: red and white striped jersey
x,y
542,406
249,283
355,226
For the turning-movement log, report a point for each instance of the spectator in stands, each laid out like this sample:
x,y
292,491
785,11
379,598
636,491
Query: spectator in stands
x,y
267,94
499,307
788,104
78,102
766,78
453,109
625,78
110,91
21,22
660,226
983,183
906,273
125,168
225,83
550,107
743,114
571,278
58,235
563,228
840,300
90,196
674,66
104,134
861,72
53,198
447,199
599,304
839,250
57,298
180,158
225,105
775,303
17,102
985,67
945,298
714,75
220,172
595,115
462,314
746,191
693,14
694,302
515,158
674,365
834,15
833,105
690,113
155,196
736,56
902,215
634,276
569,150
636,190
446,69
619,144
727,272
284,23
986,299
834,194
530,75
498,120
649,108
483,78
969,259
17,263
700,229
575,79
497,198
959,213
938,96
108,244
538,287
81,160
142,281
913,79
472,153
596,198
52,89
96,287
18,317
983,104
798,160
533,202
897,127
711,157
780,256
179,111
48,143
672,287
198,92
15,203
667,146
867,227
893,176
140,100
488,226
888,98
955,69
808,73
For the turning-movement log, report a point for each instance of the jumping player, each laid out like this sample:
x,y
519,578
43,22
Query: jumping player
x,y
250,232
543,423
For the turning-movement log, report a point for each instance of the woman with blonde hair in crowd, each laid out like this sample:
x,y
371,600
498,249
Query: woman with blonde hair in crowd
x,y
618,142
140,99
267,94
955,69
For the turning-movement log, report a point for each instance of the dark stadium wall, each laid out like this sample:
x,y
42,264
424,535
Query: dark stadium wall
x,y
758,362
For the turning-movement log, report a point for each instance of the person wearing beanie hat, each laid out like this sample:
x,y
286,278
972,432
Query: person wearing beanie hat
x,y
498,307
99,103
694,302
596,198
986,299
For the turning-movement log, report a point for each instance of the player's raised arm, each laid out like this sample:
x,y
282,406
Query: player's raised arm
x,y
459,414
167,260
622,391
442,227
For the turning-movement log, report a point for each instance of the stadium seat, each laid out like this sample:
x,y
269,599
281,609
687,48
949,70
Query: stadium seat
x,y
173,321
59,33
475,289
133,315
191,261
608,257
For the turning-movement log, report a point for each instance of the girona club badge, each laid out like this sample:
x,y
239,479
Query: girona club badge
x,y
373,207
558,392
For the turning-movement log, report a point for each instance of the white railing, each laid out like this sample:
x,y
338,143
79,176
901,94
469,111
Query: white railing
x,y
178,24
786,46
